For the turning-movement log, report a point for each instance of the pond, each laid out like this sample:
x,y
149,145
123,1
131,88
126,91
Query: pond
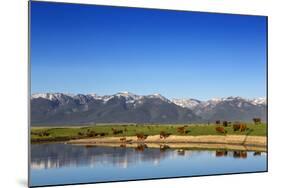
x,y
58,163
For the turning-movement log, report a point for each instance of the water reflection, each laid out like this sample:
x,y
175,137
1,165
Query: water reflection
x,y
45,156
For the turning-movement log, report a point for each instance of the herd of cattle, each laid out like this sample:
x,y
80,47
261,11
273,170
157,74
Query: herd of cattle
x,y
237,126
220,128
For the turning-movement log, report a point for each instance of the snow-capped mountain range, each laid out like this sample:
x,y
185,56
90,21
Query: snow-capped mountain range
x,y
193,103
61,108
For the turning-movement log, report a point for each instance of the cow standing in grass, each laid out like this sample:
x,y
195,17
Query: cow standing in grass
x,y
225,123
115,131
239,127
221,130
257,120
180,130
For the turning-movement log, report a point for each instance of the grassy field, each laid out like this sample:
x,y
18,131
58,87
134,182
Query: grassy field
x,y
45,134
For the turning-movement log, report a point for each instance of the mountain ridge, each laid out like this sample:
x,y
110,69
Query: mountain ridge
x,y
63,108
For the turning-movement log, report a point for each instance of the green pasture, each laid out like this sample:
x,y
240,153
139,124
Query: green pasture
x,y
40,134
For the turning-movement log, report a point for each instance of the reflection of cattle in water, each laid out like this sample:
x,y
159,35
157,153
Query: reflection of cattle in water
x,y
89,146
141,136
257,153
221,130
181,151
164,147
240,154
239,127
116,131
141,147
221,153
122,145
257,120
164,135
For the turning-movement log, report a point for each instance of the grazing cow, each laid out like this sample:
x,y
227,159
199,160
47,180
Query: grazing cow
x,y
218,122
141,136
180,130
103,134
116,131
187,131
80,133
257,120
164,135
221,130
239,127
91,134
236,126
243,127
225,123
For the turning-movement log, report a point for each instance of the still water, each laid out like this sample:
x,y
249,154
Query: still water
x,y
68,164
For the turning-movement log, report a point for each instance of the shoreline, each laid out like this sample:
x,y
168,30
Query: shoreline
x,y
212,141
181,146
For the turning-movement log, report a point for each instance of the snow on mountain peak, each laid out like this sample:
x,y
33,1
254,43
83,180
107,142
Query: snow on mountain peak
x,y
133,99
186,103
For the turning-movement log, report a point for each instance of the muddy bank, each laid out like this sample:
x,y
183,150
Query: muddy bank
x,y
211,141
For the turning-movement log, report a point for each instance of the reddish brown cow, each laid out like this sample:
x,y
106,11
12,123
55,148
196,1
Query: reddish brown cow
x,y
123,139
116,131
243,127
239,127
164,135
180,130
221,130
141,136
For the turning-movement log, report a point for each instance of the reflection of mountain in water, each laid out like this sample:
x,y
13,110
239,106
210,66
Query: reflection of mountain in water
x,y
45,156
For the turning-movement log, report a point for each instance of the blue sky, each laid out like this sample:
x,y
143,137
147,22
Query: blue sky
x,y
104,50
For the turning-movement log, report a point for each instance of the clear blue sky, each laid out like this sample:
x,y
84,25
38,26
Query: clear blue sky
x,y
104,50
